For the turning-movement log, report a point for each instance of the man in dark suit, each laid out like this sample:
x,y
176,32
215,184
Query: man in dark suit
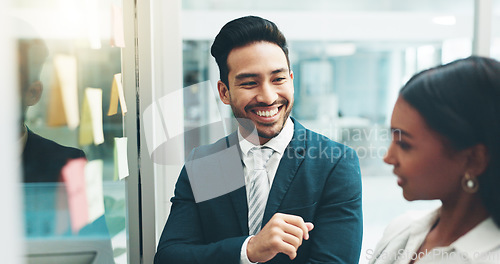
x,y
307,208
43,159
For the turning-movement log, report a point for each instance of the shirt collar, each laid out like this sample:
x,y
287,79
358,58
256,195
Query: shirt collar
x,y
277,143
481,239
24,138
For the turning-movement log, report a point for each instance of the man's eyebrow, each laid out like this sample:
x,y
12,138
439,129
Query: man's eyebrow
x,y
400,131
245,75
250,75
279,70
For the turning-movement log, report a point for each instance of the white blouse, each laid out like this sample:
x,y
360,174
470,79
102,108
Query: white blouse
x,y
404,236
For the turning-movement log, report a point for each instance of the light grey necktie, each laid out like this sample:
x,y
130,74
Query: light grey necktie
x,y
259,188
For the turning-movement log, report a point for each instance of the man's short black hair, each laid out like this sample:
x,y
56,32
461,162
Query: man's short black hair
x,y
241,32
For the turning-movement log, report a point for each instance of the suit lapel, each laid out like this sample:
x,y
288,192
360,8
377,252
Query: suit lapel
x,y
239,197
287,169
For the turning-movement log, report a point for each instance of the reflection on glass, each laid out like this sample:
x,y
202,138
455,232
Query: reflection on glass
x,y
74,206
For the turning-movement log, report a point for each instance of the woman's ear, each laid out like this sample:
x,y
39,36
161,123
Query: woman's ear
x,y
478,159
33,94
223,92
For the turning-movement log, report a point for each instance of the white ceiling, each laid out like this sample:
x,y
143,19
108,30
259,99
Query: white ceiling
x,y
454,6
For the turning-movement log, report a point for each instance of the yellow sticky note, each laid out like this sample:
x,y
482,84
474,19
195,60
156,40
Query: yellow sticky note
x,y
94,190
118,37
117,95
121,159
91,125
63,105
55,113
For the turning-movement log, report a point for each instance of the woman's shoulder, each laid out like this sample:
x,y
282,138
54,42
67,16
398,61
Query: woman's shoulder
x,y
404,221
398,232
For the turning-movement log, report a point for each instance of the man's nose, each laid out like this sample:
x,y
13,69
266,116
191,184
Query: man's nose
x,y
267,94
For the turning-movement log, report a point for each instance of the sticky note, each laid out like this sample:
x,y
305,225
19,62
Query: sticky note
x,y
63,101
73,177
117,95
91,128
94,191
121,159
55,114
117,37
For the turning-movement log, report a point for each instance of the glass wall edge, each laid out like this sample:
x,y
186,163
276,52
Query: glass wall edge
x,y
159,60
158,37
144,93
10,191
130,130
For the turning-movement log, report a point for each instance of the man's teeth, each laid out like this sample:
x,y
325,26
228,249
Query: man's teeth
x,y
267,113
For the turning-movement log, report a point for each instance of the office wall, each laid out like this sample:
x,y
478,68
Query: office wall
x,y
10,202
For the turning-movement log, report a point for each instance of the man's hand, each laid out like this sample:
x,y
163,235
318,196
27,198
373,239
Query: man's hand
x,y
282,234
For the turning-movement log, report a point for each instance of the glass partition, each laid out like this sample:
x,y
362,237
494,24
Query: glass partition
x,y
71,130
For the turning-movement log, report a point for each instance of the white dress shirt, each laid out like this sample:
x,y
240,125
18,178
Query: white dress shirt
x,y
278,144
403,238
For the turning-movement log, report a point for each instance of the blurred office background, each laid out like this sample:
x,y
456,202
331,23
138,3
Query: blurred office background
x,y
349,59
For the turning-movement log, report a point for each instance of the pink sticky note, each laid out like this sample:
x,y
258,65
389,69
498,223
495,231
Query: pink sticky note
x,y
117,31
73,177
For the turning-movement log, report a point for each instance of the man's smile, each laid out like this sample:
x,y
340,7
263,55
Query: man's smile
x,y
266,114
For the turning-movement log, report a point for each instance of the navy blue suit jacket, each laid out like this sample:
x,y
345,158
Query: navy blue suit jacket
x,y
317,179
43,159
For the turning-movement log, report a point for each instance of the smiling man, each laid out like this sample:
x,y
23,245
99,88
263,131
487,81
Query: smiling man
x,y
261,89
272,191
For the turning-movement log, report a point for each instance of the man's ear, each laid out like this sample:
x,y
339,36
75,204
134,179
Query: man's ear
x,y
478,159
33,94
291,74
223,92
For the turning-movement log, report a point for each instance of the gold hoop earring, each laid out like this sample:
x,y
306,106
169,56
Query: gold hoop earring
x,y
469,183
